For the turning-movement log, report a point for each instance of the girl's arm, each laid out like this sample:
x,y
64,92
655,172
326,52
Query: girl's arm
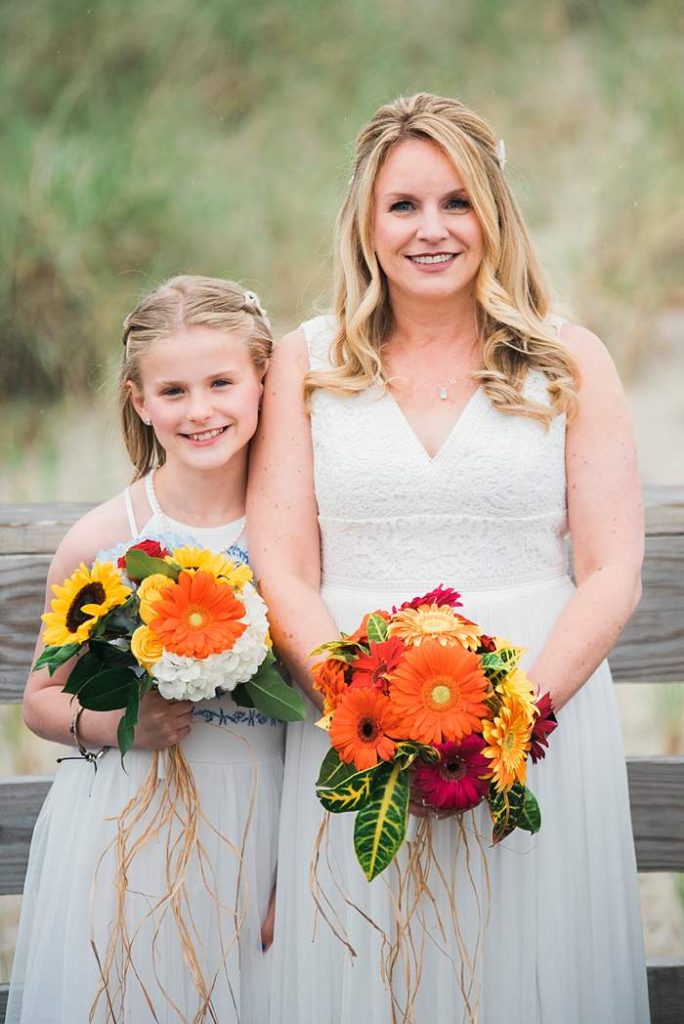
x,y
284,540
606,526
47,711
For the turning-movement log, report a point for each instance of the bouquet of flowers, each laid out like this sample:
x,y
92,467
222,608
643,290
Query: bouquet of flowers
x,y
420,704
188,621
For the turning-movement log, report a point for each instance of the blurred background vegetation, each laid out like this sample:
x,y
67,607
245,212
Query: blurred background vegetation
x,y
140,139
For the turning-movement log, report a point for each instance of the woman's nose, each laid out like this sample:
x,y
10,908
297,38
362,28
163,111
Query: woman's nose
x,y
432,226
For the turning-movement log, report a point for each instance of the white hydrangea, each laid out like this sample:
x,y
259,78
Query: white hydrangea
x,y
181,678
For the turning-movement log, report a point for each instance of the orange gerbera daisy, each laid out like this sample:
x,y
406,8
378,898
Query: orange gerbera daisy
x,y
360,726
328,679
508,737
438,692
435,622
198,616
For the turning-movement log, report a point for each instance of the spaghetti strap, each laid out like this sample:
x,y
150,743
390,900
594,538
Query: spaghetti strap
x,y
128,501
556,323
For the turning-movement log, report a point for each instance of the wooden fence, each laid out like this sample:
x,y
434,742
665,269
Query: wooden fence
x,y
651,650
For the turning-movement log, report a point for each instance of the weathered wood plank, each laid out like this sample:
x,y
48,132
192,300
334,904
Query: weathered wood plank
x,y
22,593
656,794
37,529
20,802
664,510
666,991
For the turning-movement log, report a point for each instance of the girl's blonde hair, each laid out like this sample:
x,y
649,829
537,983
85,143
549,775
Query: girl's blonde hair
x,y
511,297
177,304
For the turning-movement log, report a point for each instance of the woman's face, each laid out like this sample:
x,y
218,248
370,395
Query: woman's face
x,y
425,234
201,392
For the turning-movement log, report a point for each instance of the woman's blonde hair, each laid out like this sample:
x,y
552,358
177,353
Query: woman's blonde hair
x,y
177,304
511,297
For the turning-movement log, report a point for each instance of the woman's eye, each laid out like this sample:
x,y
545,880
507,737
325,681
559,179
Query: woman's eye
x,y
459,203
401,206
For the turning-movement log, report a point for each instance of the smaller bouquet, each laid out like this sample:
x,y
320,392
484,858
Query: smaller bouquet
x,y
188,621
420,703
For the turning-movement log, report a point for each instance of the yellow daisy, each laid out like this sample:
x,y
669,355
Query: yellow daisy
x,y
86,596
149,592
518,686
508,737
222,568
435,622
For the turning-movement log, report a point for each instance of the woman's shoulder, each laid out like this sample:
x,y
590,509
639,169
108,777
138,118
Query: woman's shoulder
x,y
101,527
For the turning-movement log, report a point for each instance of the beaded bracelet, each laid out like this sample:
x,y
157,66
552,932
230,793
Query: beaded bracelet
x,y
92,756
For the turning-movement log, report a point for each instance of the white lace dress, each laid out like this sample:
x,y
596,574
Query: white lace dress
x,y
486,515
236,756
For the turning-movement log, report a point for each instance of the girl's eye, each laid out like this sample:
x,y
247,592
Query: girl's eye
x,y
402,206
222,382
171,392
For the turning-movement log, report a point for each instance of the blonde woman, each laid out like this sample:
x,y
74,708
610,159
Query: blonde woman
x,y
444,426
194,354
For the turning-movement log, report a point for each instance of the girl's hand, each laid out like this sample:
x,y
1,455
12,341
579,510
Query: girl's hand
x,y
269,923
162,723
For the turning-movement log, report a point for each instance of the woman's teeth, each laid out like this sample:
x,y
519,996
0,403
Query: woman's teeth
x,y
206,435
443,257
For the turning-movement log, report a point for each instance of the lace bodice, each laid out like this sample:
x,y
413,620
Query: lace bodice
x,y
488,510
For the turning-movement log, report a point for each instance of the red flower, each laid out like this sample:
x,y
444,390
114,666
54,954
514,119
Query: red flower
x,y
370,670
487,644
544,725
458,781
151,547
440,595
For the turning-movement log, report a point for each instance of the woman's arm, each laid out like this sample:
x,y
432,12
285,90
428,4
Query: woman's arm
x,y
284,540
606,525
47,711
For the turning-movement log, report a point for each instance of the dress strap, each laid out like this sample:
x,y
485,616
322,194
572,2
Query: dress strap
x,y
556,323
128,502
152,495
319,334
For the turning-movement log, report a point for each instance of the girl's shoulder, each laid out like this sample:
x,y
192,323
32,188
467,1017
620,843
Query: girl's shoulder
x,y
101,527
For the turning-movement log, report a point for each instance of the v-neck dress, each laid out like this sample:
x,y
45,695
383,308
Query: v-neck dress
x,y
236,757
486,515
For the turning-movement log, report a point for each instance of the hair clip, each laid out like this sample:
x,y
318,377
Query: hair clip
x,y
253,301
501,153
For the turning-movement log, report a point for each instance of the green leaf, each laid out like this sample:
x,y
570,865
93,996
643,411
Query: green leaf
x,y
336,774
380,825
108,690
497,664
530,819
125,732
408,750
140,565
52,657
241,697
506,810
349,796
275,698
376,629
88,665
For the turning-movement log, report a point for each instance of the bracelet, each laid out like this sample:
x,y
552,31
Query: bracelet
x,y
92,756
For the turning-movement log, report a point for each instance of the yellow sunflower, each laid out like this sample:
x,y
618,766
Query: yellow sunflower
x,y
222,568
86,596
435,622
508,737
518,686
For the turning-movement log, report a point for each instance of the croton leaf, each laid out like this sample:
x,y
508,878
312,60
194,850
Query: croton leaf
x,y
530,819
380,825
506,809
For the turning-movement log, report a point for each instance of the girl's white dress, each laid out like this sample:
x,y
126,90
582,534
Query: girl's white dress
x,y
487,516
236,756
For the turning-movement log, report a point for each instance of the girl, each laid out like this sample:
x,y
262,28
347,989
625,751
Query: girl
x,y
443,427
195,353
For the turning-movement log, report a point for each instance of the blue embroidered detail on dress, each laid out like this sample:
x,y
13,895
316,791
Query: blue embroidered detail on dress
x,y
241,716
238,554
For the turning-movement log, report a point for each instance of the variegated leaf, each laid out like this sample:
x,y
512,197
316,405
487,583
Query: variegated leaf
x,y
380,825
506,810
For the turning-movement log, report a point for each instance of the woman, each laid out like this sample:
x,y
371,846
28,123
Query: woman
x,y
444,427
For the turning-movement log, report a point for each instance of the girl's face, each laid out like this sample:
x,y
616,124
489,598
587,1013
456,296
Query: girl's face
x,y
426,235
201,393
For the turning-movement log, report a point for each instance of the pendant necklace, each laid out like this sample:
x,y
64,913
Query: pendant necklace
x,y
443,389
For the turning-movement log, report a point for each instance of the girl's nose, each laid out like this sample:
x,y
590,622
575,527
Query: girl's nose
x,y
199,408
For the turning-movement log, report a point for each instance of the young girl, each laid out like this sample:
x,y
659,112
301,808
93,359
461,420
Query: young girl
x,y
195,352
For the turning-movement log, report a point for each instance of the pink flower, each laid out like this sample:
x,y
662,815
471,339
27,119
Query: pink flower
x,y
440,595
544,725
457,781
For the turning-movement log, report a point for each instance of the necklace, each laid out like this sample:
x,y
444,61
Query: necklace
x,y
443,389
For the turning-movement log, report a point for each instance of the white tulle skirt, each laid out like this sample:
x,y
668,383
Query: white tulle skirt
x,y
69,903
563,944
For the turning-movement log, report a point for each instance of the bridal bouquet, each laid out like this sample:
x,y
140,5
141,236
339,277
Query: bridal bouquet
x,y
420,704
188,621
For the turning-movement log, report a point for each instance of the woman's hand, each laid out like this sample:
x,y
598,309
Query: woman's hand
x,y
162,723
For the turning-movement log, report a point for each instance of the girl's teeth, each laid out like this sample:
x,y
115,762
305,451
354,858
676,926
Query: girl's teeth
x,y
207,435
441,258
